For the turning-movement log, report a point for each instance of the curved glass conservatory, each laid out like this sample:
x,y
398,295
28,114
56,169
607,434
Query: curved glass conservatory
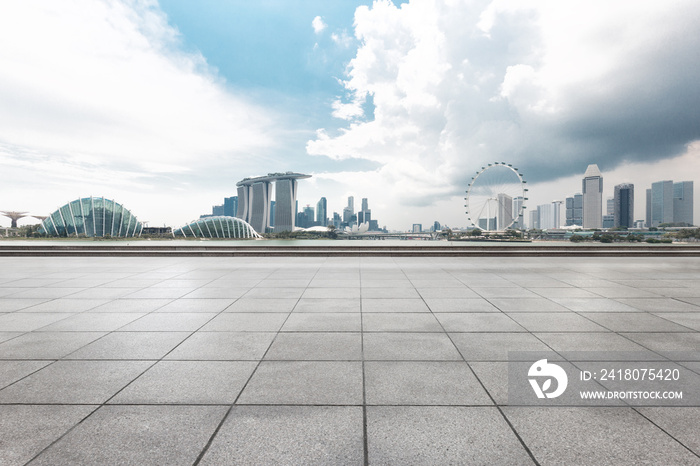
x,y
217,227
92,216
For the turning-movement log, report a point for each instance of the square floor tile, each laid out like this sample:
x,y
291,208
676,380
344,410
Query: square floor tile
x,y
92,322
229,346
29,321
334,293
323,322
660,305
634,322
46,345
131,345
504,292
689,320
279,293
26,430
422,383
495,346
601,436
289,435
555,322
390,293
494,377
188,382
197,305
326,305
246,322
305,383
263,305
393,305
594,305
575,346
216,293
400,322
409,346
169,322
687,345
460,305
682,423
74,382
132,305
316,346
441,435
11,305
12,371
66,305
478,322
526,305
173,435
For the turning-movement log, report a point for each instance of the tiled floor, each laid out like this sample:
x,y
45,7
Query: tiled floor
x,y
335,360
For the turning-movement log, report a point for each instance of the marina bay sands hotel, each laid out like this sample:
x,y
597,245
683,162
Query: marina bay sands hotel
x,y
255,196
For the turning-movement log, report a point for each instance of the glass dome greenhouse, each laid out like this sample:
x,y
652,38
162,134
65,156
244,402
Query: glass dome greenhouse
x,y
92,217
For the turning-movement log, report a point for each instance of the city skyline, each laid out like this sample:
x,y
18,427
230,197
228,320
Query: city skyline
x,y
163,106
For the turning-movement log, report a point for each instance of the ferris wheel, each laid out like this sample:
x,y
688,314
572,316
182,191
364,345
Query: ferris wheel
x,y
496,197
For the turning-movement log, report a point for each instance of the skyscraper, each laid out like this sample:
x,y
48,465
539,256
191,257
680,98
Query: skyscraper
x,y
610,206
231,206
534,219
623,212
322,212
255,198
592,197
505,211
548,215
365,215
574,210
683,202
519,223
661,202
648,218
349,211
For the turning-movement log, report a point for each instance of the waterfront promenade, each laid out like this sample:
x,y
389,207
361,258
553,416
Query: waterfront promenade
x,y
333,359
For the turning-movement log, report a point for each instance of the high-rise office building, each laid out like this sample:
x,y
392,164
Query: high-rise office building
x,y
623,211
648,217
548,215
661,202
505,211
592,197
417,228
322,212
610,206
349,211
574,210
519,223
217,210
683,202
365,215
230,206
534,220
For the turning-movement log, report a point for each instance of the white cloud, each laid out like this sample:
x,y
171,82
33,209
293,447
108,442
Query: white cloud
x,y
318,25
101,94
342,39
548,85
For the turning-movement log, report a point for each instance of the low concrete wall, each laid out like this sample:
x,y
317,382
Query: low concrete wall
x,y
409,250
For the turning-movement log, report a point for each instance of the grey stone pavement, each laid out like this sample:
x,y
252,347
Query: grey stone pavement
x,y
330,360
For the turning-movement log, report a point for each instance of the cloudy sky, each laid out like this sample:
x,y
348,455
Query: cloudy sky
x,y
164,106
